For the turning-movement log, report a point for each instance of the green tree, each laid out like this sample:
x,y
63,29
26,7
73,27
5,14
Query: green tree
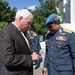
x,y
3,24
6,13
41,13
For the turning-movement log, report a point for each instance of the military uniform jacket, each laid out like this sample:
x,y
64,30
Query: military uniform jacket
x,y
35,44
60,53
15,54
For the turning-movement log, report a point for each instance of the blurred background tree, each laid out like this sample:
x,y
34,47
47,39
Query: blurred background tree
x,y
41,13
3,24
6,13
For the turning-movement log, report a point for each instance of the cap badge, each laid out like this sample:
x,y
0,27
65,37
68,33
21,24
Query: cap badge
x,y
54,18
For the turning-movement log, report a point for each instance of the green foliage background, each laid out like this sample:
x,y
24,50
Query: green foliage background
x,y
3,24
41,13
6,13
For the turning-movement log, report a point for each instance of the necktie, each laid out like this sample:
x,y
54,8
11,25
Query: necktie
x,y
26,39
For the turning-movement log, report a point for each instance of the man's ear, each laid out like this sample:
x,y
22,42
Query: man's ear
x,y
20,17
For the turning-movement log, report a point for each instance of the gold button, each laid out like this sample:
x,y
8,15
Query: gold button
x,y
52,47
51,52
60,43
51,58
51,64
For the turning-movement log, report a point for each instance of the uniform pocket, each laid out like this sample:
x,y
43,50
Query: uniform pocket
x,y
65,68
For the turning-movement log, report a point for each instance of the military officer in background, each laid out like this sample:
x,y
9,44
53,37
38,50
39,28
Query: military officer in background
x,y
34,41
60,49
35,45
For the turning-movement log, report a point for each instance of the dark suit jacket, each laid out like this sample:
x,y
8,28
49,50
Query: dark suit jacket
x,y
14,52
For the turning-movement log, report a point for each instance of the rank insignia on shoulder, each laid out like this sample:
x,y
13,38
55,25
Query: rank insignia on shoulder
x,y
67,30
63,34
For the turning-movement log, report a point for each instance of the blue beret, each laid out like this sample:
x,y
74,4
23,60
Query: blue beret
x,y
52,18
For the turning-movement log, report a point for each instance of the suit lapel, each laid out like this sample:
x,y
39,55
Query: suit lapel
x,y
19,33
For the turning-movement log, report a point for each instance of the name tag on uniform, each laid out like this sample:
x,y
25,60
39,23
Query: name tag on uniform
x,y
62,38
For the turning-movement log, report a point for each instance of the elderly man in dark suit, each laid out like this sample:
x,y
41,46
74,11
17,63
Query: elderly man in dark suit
x,y
15,54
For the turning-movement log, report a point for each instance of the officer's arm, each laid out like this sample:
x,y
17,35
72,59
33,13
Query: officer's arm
x,y
72,49
36,42
45,66
46,59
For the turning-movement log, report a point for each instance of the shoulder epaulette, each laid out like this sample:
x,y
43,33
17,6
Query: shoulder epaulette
x,y
67,30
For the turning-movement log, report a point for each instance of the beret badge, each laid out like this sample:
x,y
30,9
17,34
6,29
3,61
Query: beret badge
x,y
54,18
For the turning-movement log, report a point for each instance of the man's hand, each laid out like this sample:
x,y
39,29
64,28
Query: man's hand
x,y
35,56
44,71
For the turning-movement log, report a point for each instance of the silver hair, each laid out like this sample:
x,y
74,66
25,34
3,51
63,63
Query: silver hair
x,y
24,13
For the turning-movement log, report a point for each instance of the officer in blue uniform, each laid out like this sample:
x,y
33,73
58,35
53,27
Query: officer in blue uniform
x,y
60,49
35,45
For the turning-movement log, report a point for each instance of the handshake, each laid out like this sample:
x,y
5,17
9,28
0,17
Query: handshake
x,y
37,60
35,56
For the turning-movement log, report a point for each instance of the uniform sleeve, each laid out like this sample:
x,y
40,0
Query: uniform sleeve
x,y
36,43
46,59
72,49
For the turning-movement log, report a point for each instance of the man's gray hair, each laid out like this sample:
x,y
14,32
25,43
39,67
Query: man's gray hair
x,y
24,13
